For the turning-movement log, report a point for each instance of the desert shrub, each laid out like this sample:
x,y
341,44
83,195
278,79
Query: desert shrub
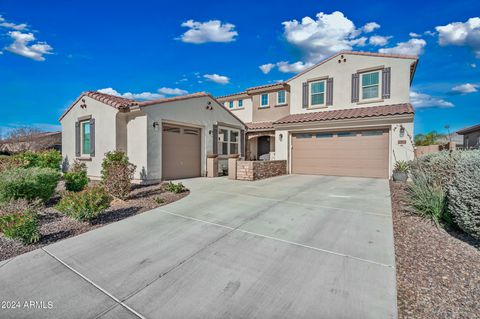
x,y
45,159
175,187
76,179
9,162
428,199
159,200
117,174
18,220
438,166
463,193
84,205
28,183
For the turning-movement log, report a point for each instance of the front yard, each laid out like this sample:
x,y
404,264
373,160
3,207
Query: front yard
x,y
55,226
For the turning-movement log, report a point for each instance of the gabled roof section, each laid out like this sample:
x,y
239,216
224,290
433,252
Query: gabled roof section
x,y
266,87
117,102
353,113
383,55
469,129
238,94
253,126
175,98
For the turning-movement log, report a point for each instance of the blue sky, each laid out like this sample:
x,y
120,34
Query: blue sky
x,y
51,51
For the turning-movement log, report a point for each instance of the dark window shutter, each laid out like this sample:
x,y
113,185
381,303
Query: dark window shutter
x,y
77,139
330,91
215,138
92,137
242,143
305,95
386,83
355,87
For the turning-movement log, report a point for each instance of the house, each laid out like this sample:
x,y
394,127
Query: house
x,y
349,115
31,140
471,137
166,139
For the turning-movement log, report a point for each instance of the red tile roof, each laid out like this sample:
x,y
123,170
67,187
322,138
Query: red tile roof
x,y
361,112
266,86
259,126
112,100
175,98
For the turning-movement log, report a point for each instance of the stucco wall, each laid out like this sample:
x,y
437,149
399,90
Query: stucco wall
x,y
342,81
190,112
105,132
245,113
137,143
274,111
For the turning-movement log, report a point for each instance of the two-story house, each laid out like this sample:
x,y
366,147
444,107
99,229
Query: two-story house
x,y
349,115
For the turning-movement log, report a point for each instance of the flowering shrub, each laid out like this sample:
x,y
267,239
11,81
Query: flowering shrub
x,y
85,205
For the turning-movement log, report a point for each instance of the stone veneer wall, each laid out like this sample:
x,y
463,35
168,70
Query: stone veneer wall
x,y
253,170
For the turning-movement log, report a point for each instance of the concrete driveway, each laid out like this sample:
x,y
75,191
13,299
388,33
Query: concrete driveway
x,y
288,247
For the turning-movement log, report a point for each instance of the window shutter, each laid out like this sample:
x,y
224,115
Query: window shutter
x,y
305,95
215,138
92,137
330,91
355,87
242,143
386,83
77,139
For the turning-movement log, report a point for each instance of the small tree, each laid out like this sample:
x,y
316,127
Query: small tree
x,y
430,138
117,173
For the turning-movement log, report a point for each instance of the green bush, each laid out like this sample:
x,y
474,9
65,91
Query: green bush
x,y
463,193
117,174
28,183
401,167
175,188
9,162
45,159
76,179
18,220
85,205
427,199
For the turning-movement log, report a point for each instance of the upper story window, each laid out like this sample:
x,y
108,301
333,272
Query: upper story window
x,y
240,103
370,85
264,100
85,137
317,93
230,104
281,97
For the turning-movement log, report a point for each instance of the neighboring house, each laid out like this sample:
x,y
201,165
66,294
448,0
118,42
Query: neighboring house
x,y
349,115
471,136
32,142
166,139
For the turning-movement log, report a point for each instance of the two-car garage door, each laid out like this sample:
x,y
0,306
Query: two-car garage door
x,y
363,153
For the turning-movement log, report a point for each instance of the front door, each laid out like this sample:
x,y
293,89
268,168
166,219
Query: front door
x,y
263,146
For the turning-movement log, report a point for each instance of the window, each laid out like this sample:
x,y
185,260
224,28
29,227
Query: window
x,y
317,93
304,135
85,135
372,133
281,97
228,141
323,135
370,85
240,103
230,104
346,134
171,129
264,100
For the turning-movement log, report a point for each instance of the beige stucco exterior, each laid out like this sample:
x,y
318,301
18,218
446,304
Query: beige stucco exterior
x,y
244,113
273,111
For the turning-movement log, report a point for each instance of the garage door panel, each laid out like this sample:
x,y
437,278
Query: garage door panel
x,y
360,155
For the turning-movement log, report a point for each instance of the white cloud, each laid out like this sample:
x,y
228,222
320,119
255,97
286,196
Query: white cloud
x,y
133,96
430,33
171,91
422,100
325,35
465,88
210,31
378,40
370,27
296,67
221,79
473,65
414,35
21,46
411,47
10,25
461,34
266,68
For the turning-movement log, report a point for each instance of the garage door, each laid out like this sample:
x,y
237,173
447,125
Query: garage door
x,y
180,152
361,153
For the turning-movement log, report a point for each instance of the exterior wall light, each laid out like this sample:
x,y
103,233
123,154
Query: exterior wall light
x,y
280,137
156,126
402,131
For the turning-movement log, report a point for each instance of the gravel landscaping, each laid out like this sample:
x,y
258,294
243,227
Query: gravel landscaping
x,y
55,226
438,269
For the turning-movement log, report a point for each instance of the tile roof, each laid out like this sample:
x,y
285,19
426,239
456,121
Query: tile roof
x,y
259,125
362,112
266,86
175,98
469,129
230,95
112,100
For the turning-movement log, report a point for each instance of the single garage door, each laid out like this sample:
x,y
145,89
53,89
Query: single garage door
x,y
180,152
362,153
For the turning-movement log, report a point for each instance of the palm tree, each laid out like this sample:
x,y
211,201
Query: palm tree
x,y
430,138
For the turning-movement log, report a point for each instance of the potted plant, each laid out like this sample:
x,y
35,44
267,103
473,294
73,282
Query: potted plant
x,y
400,171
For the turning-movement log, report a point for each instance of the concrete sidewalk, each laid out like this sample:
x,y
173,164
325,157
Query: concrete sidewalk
x,y
287,247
